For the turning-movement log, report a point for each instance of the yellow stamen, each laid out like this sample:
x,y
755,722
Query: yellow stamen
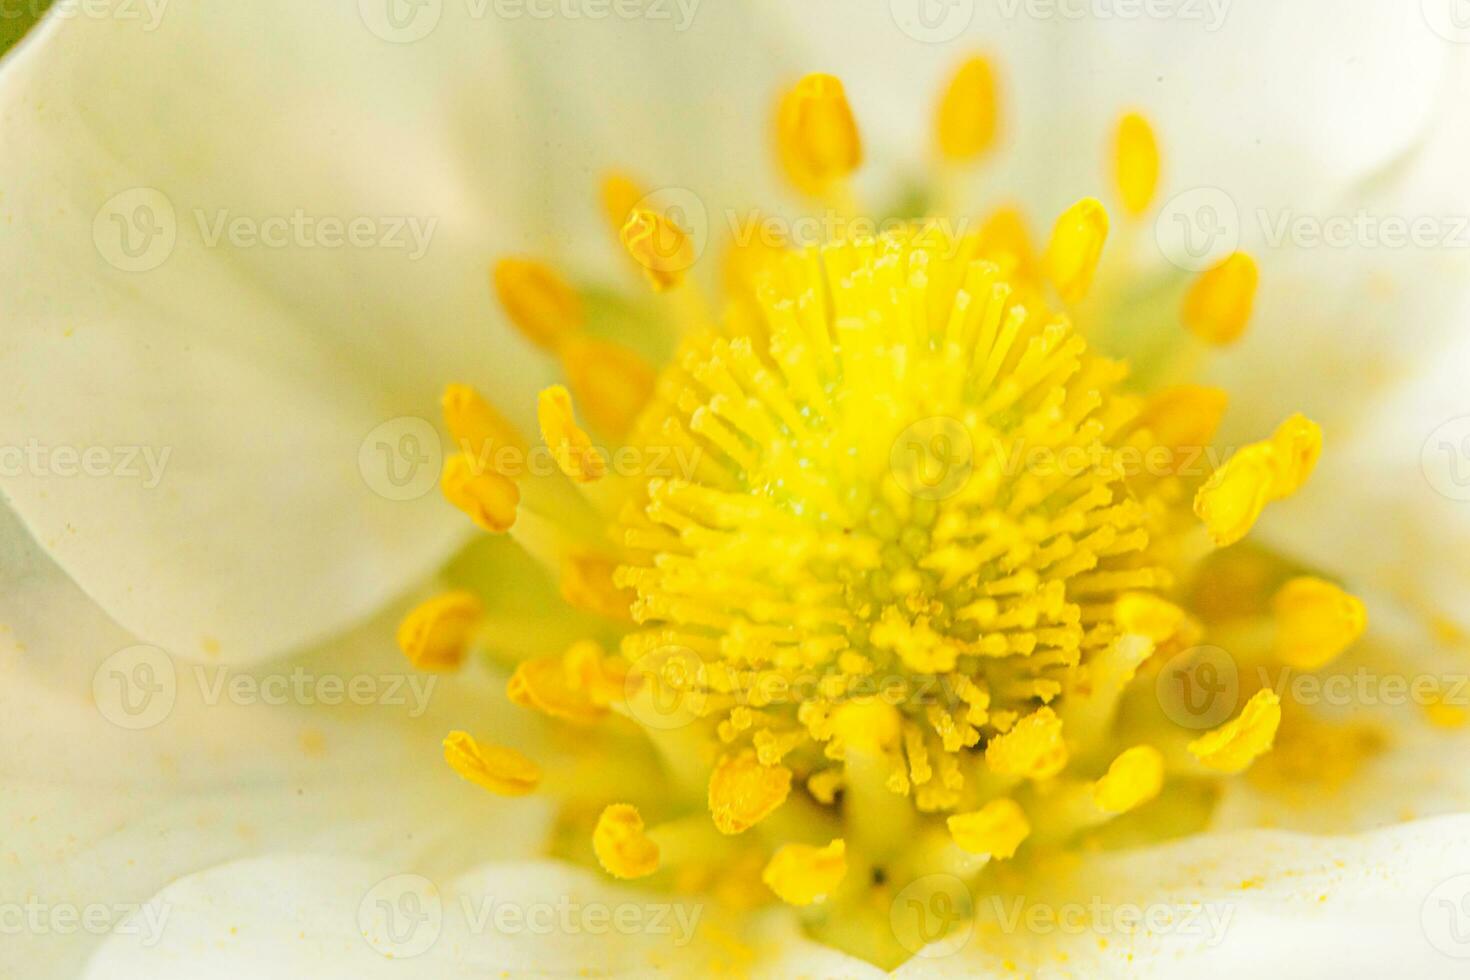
x,y
488,498
1033,748
570,445
543,307
1239,742
498,768
1134,778
1076,245
871,726
968,111
1136,162
587,583
1232,499
621,845
1004,240
1145,614
611,382
435,635
591,672
620,194
742,792
1218,304
661,247
552,686
801,874
996,829
1315,621
816,135
1184,419
478,429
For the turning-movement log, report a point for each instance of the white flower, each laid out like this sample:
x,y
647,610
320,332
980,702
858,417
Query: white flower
x,y
175,302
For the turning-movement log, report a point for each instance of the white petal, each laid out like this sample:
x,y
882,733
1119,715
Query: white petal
x,y
316,917
1389,903
265,372
100,807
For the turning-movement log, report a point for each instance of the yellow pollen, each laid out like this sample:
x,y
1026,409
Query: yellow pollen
x,y
968,111
1315,621
587,584
1136,162
571,447
498,768
742,792
619,194
1218,304
556,686
611,382
539,302
477,428
1033,748
1145,614
816,135
801,874
996,829
488,498
870,726
658,245
1076,246
1232,499
1134,778
621,845
435,635
1239,742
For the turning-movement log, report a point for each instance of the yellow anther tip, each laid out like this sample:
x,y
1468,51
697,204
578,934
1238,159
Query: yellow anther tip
x,y
1233,746
497,768
801,874
539,302
658,245
611,382
1232,499
1145,614
816,134
478,429
571,446
489,499
1315,621
1134,778
619,194
968,114
996,829
1219,303
742,792
435,635
1136,162
1033,748
1076,246
622,847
